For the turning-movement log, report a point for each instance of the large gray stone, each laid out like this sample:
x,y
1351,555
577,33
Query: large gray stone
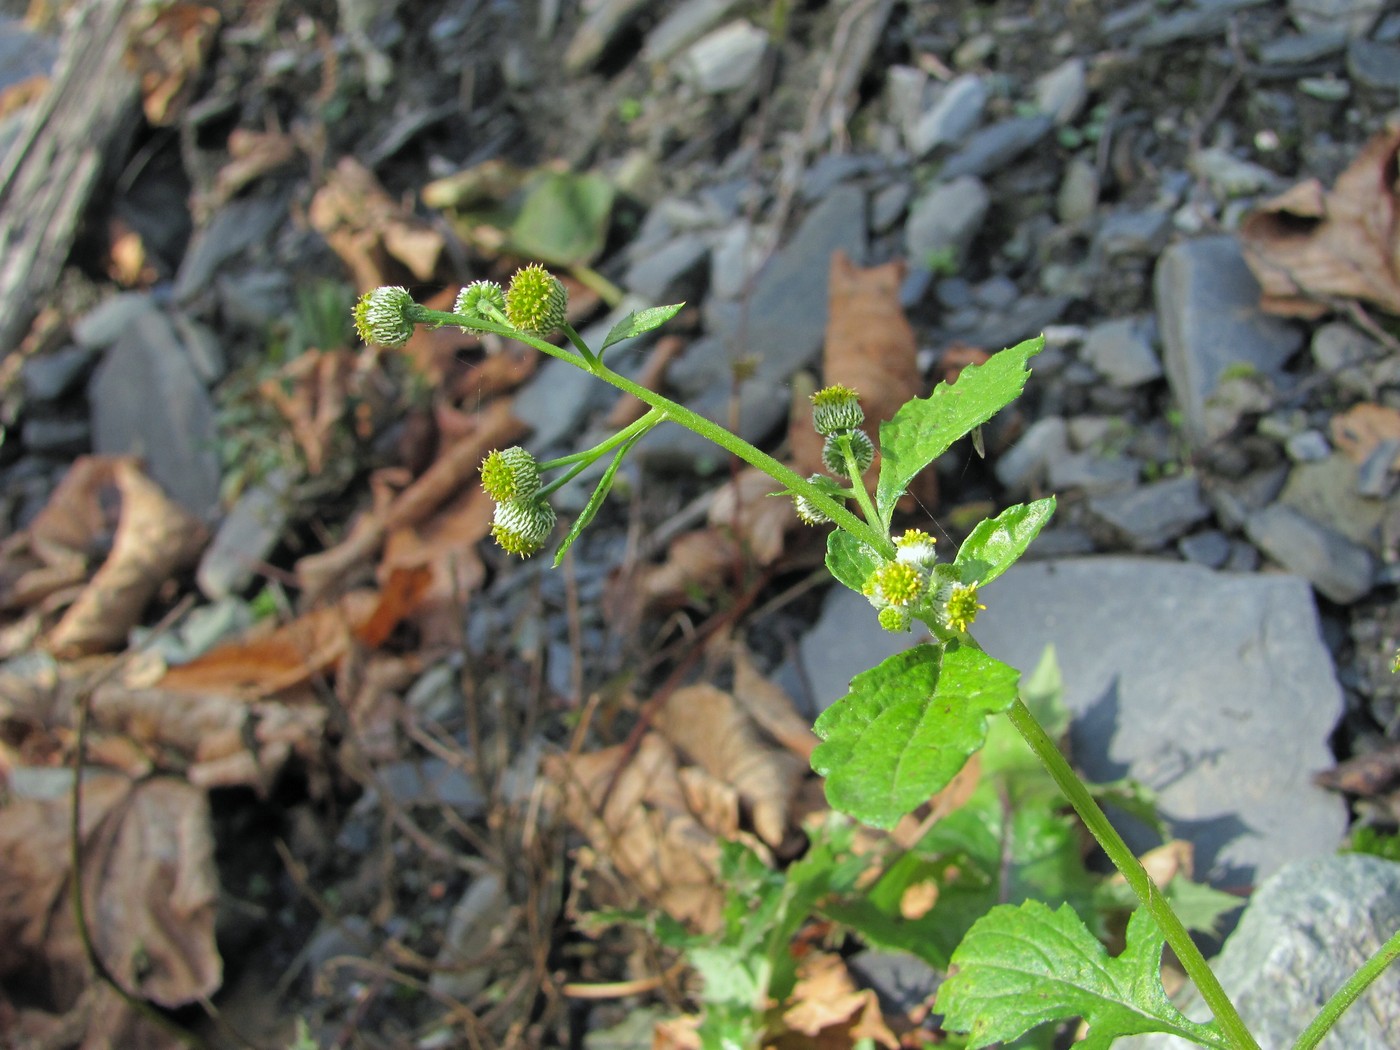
x,y
1340,569
147,400
945,220
1214,689
1208,311
1148,516
955,112
1306,930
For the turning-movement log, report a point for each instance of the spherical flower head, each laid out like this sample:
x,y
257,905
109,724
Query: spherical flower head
x,y
862,449
521,526
916,547
808,512
510,473
961,606
484,299
893,618
836,408
894,584
381,317
536,301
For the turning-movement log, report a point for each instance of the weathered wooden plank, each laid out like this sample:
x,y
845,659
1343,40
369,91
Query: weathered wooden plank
x,y
84,122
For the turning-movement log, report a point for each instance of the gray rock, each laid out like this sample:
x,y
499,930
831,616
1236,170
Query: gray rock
x,y
738,253
1089,472
1329,491
1308,446
605,20
429,782
1078,196
1062,92
1302,49
1026,462
48,377
993,148
255,299
105,323
1340,569
725,59
686,23
235,227
1376,66
888,206
1132,231
1229,176
1207,307
146,400
996,293
1337,345
902,981
1029,316
245,537
671,273
1354,17
1214,689
946,219
463,968
1188,23
56,435
1210,548
437,694
1306,930
558,398
956,111
1152,515
1375,477
1120,352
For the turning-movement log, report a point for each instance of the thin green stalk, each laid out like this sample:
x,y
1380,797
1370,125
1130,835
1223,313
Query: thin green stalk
x,y
1142,885
858,484
1348,993
587,456
677,413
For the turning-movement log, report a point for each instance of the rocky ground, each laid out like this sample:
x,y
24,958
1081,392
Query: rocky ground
x,y
1218,581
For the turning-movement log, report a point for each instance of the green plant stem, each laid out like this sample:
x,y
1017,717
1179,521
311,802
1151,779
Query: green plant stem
x,y
1226,1016
676,413
858,484
587,456
1348,993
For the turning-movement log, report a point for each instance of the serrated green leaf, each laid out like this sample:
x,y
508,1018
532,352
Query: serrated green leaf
x,y
638,322
907,727
850,560
995,544
600,493
924,428
1201,908
1019,967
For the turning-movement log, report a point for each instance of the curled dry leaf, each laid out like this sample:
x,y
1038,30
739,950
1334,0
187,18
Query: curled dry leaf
x,y
829,1011
643,826
707,724
155,538
252,154
1360,429
1308,245
370,231
311,392
167,50
1368,775
698,564
149,884
769,705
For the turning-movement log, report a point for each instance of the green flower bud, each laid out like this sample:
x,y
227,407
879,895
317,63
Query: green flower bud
x,y
536,301
893,618
862,448
521,526
836,408
381,317
481,299
509,474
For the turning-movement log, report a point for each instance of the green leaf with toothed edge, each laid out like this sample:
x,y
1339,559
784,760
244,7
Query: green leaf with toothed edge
x,y
906,727
996,543
1019,967
924,428
639,322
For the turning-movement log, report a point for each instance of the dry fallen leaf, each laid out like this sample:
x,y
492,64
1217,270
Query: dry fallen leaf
x,y
310,392
829,1011
769,705
148,882
747,507
155,538
707,724
1308,245
1368,775
167,51
1358,430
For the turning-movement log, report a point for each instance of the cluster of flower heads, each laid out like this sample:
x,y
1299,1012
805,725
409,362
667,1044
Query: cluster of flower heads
x,y
837,416
913,585
535,304
524,519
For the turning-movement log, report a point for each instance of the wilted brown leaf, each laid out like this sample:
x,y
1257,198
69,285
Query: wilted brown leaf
x,y
311,393
828,1010
1358,430
155,538
1368,775
252,154
698,564
148,882
644,827
370,231
753,515
167,51
768,704
445,546
706,724
1308,244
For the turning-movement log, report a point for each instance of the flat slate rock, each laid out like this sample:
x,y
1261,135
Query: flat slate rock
x,y
1214,689
1306,930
